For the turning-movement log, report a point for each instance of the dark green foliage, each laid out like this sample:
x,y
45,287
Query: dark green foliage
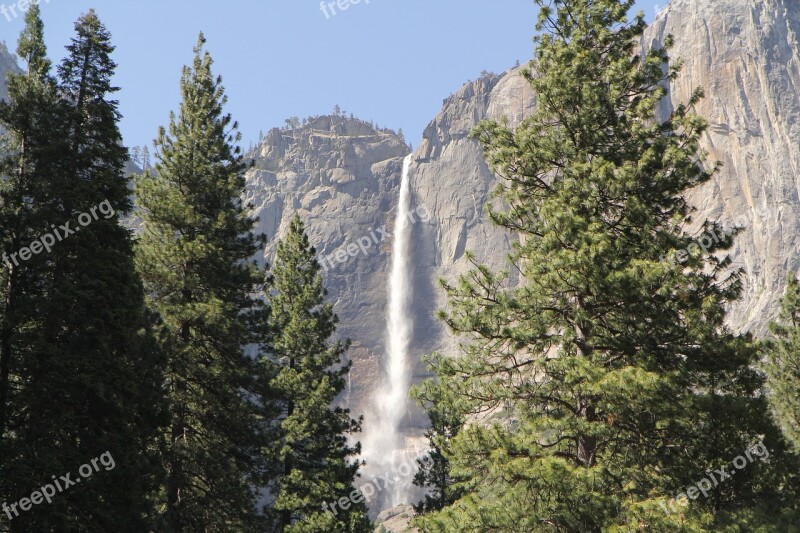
x,y
309,445
29,116
782,365
84,378
195,259
606,382
434,468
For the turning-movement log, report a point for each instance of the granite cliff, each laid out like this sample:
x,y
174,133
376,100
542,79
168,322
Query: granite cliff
x,y
342,176
8,63
744,53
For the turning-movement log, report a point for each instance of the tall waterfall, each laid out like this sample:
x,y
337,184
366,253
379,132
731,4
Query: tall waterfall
x,y
384,443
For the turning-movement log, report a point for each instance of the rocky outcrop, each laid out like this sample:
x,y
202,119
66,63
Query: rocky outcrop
x,y
451,179
746,55
8,63
396,520
342,177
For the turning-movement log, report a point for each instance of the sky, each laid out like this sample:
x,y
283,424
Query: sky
x,y
390,61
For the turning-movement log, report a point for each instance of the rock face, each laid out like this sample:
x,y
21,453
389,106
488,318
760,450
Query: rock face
x,y
450,177
8,63
746,55
396,520
342,177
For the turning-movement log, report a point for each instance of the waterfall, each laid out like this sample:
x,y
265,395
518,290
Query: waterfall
x,y
384,442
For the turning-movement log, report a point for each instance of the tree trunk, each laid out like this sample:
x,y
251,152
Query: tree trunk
x,y
178,438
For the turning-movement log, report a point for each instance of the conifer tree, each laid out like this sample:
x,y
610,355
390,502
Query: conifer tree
x,y
28,118
89,383
195,259
136,155
434,468
782,364
146,158
306,373
607,382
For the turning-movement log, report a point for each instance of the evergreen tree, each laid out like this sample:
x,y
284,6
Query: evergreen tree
x,y
89,384
28,117
146,158
606,383
306,374
136,155
782,364
30,120
195,259
434,468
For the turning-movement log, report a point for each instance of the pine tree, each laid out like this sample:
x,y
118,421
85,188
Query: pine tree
x,y
606,383
306,375
26,116
30,119
434,468
195,259
782,364
136,155
90,383
146,158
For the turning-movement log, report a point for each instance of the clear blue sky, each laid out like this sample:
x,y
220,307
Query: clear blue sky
x,y
391,61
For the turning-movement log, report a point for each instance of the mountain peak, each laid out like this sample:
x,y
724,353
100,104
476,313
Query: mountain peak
x,y
317,138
